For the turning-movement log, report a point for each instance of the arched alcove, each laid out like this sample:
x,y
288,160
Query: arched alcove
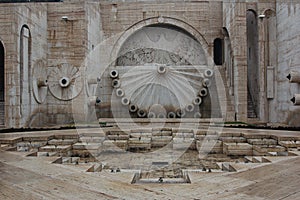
x,y
25,70
2,85
252,64
228,61
164,66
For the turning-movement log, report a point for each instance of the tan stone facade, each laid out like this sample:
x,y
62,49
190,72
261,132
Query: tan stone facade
x,y
54,53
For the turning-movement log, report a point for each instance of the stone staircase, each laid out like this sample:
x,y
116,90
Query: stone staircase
x,y
227,150
250,107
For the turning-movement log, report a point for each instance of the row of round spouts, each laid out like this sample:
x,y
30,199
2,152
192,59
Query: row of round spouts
x,y
175,113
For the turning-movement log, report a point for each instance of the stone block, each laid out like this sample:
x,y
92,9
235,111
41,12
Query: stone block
x,y
290,144
265,149
53,148
232,139
62,141
210,146
262,141
237,149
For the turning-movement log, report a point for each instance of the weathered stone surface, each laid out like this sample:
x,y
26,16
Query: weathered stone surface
x,y
238,149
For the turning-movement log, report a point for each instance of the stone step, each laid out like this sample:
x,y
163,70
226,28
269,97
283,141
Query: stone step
x,y
117,132
122,144
183,135
210,146
160,141
240,167
144,143
230,134
97,167
262,141
44,138
227,167
237,149
183,143
70,160
91,139
11,141
54,148
138,135
117,137
256,136
285,138
264,150
233,139
92,134
146,130
112,146
32,145
66,137
162,133
42,154
87,146
62,141
290,144
182,130
257,159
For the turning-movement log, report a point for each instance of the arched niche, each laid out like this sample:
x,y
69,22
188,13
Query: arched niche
x,y
252,64
2,84
25,70
228,61
164,66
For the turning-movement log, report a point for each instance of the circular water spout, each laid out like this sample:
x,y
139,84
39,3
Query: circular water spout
x,y
120,92
125,101
142,113
151,115
161,115
114,74
203,92
116,83
64,82
180,112
197,101
171,115
206,82
133,108
190,108
161,69
208,73
42,82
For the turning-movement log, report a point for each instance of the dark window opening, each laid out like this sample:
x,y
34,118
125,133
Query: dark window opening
x,y
218,51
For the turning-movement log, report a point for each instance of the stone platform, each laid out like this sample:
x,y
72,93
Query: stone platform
x,y
102,163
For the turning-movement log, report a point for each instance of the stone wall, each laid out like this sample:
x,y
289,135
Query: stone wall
x,y
73,43
234,20
14,17
288,40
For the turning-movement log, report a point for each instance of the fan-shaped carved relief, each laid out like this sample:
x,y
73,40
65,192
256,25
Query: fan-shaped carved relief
x,y
39,81
172,88
65,82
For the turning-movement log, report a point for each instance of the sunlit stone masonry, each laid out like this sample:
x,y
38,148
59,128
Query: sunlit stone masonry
x,y
86,60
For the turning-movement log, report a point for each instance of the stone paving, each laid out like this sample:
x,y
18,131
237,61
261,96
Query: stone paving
x,y
36,164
